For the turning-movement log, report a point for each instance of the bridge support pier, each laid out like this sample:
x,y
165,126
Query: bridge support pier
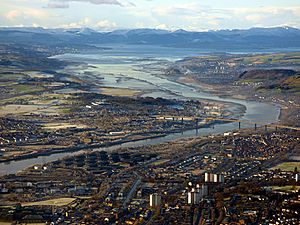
x,y
255,126
239,125
266,128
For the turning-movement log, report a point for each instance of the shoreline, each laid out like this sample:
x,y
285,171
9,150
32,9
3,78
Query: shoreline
x,y
120,142
108,144
208,89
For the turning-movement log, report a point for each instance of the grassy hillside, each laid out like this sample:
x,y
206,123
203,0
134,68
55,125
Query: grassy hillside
x,y
286,81
271,59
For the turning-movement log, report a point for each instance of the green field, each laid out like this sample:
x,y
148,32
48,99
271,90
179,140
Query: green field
x,y
159,162
51,202
287,166
290,58
6,77
286,188
27,88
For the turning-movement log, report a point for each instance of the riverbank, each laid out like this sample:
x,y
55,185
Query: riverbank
x,y
229,92
75,149
14,166
104,115
141,137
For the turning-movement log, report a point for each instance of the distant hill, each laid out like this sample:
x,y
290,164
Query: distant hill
x,y
254,38
286,81
271,75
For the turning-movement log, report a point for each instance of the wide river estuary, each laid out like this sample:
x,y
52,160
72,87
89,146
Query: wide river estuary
x,y
139,68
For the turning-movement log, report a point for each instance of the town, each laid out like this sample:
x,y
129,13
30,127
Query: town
x,y
268,77
147,126
47,112
240,178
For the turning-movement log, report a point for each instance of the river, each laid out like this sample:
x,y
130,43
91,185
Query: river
x,y
139,68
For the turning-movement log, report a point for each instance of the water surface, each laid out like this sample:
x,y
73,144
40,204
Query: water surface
x,y
140,68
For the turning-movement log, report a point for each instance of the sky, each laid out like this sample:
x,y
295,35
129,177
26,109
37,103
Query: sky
x,y
106,15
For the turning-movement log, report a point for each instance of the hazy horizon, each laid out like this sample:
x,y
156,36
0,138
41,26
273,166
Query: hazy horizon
x,y
107,15
144,28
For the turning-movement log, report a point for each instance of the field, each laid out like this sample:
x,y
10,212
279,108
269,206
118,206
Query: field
x,y
30,109
26,88
279,58
287,166
286,188
6,77
282,58
57,126
9,223
119,92
17,109
52,202
44,104
159,162
293,83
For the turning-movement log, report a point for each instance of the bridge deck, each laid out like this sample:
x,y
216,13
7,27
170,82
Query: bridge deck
x,y
167,117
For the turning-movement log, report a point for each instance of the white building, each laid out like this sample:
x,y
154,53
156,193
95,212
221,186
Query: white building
x,y
209,177
194,197
155,200
297,177
214,178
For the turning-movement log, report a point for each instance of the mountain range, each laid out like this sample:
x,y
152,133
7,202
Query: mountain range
x,y
278,37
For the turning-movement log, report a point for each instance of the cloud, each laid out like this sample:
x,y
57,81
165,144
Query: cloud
x,y
25,13
163,27
188,15
103,25
202,17
62,4
268,16
179,9
57,5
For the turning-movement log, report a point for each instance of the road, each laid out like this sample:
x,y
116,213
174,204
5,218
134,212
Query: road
x,y
133,189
